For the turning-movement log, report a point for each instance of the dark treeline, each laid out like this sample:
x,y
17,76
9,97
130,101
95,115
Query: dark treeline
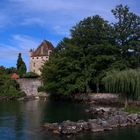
x,y
96,47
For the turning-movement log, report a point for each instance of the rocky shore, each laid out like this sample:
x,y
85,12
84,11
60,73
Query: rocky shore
x,y
106,120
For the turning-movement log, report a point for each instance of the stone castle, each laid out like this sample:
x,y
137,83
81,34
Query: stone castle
x,y
39,56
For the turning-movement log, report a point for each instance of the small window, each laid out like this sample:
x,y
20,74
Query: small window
x,y
34,64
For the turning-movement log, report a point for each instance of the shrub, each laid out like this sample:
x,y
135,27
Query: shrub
x,y
30,75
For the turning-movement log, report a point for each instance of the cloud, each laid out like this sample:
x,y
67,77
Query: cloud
x,y
19,44
23,18
56,13
33,20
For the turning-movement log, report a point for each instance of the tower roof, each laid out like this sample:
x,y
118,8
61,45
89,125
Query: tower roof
x,y
43,49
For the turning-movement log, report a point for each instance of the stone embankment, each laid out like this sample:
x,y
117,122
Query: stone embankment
x,y
99,99
107,119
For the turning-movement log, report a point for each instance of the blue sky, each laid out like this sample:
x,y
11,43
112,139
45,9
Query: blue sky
x,y
25,23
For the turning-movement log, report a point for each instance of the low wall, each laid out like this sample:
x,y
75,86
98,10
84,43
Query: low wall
x,y
29,86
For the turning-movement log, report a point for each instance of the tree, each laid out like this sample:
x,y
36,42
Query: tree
x,y
62,73
74,65
127,36
21,67
125,83
94,48
94,37
9,87
11,70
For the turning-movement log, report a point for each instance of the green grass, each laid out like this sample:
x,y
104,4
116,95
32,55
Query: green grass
x,y
132,109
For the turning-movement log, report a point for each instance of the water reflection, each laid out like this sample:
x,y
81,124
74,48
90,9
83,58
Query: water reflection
x,y
23,120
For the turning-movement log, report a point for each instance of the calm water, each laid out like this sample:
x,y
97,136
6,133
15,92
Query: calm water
x,y
23,120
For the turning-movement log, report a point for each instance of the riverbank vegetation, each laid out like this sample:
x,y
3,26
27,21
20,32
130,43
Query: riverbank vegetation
x,y
21,67
132,109
9,88
96,47
125,83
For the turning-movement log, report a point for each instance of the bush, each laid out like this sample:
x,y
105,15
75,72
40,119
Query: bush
x,y
41,89
30,75
9,87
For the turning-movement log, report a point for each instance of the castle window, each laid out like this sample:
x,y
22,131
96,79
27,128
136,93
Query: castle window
x,y
34,64
37,57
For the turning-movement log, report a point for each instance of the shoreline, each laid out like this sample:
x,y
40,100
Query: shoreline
x,y
106,118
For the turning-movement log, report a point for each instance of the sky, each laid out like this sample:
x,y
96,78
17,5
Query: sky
x,y
24,24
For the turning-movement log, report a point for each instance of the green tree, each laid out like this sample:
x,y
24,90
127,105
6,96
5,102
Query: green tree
x,y
21,67
94,36
94,48
11,70
78,63
9,88
127,37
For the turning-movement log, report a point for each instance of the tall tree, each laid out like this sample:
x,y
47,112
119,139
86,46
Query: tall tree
x,y
127,36
94,36
21,67
79,62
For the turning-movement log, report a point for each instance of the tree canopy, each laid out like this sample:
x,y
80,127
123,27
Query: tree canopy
x,y
9,87
95,47
21,67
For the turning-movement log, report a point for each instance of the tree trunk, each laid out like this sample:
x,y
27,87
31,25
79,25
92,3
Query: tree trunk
x,y
126,102
97,87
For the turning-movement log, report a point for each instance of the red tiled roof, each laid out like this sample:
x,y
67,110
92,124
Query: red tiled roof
x,y
43,49
15,76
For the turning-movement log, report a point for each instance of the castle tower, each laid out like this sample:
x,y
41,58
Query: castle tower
x,y
39,56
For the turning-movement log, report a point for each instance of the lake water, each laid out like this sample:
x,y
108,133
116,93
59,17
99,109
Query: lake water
x,y
23,121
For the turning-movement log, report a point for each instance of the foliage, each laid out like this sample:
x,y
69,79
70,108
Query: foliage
x,y
30,75
21,67
126,83
126,35
72,68
9,87
132,109
10,70
95,47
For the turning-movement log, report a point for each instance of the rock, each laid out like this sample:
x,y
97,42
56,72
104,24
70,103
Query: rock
x,y
107,119
52,127
106,125
113,122
83,125
56,132
133,116
69,127
95,127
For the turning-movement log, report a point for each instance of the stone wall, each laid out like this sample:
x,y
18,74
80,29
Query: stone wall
x,y
29,86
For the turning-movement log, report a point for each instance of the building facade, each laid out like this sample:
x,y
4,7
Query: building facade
x,y
39,56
